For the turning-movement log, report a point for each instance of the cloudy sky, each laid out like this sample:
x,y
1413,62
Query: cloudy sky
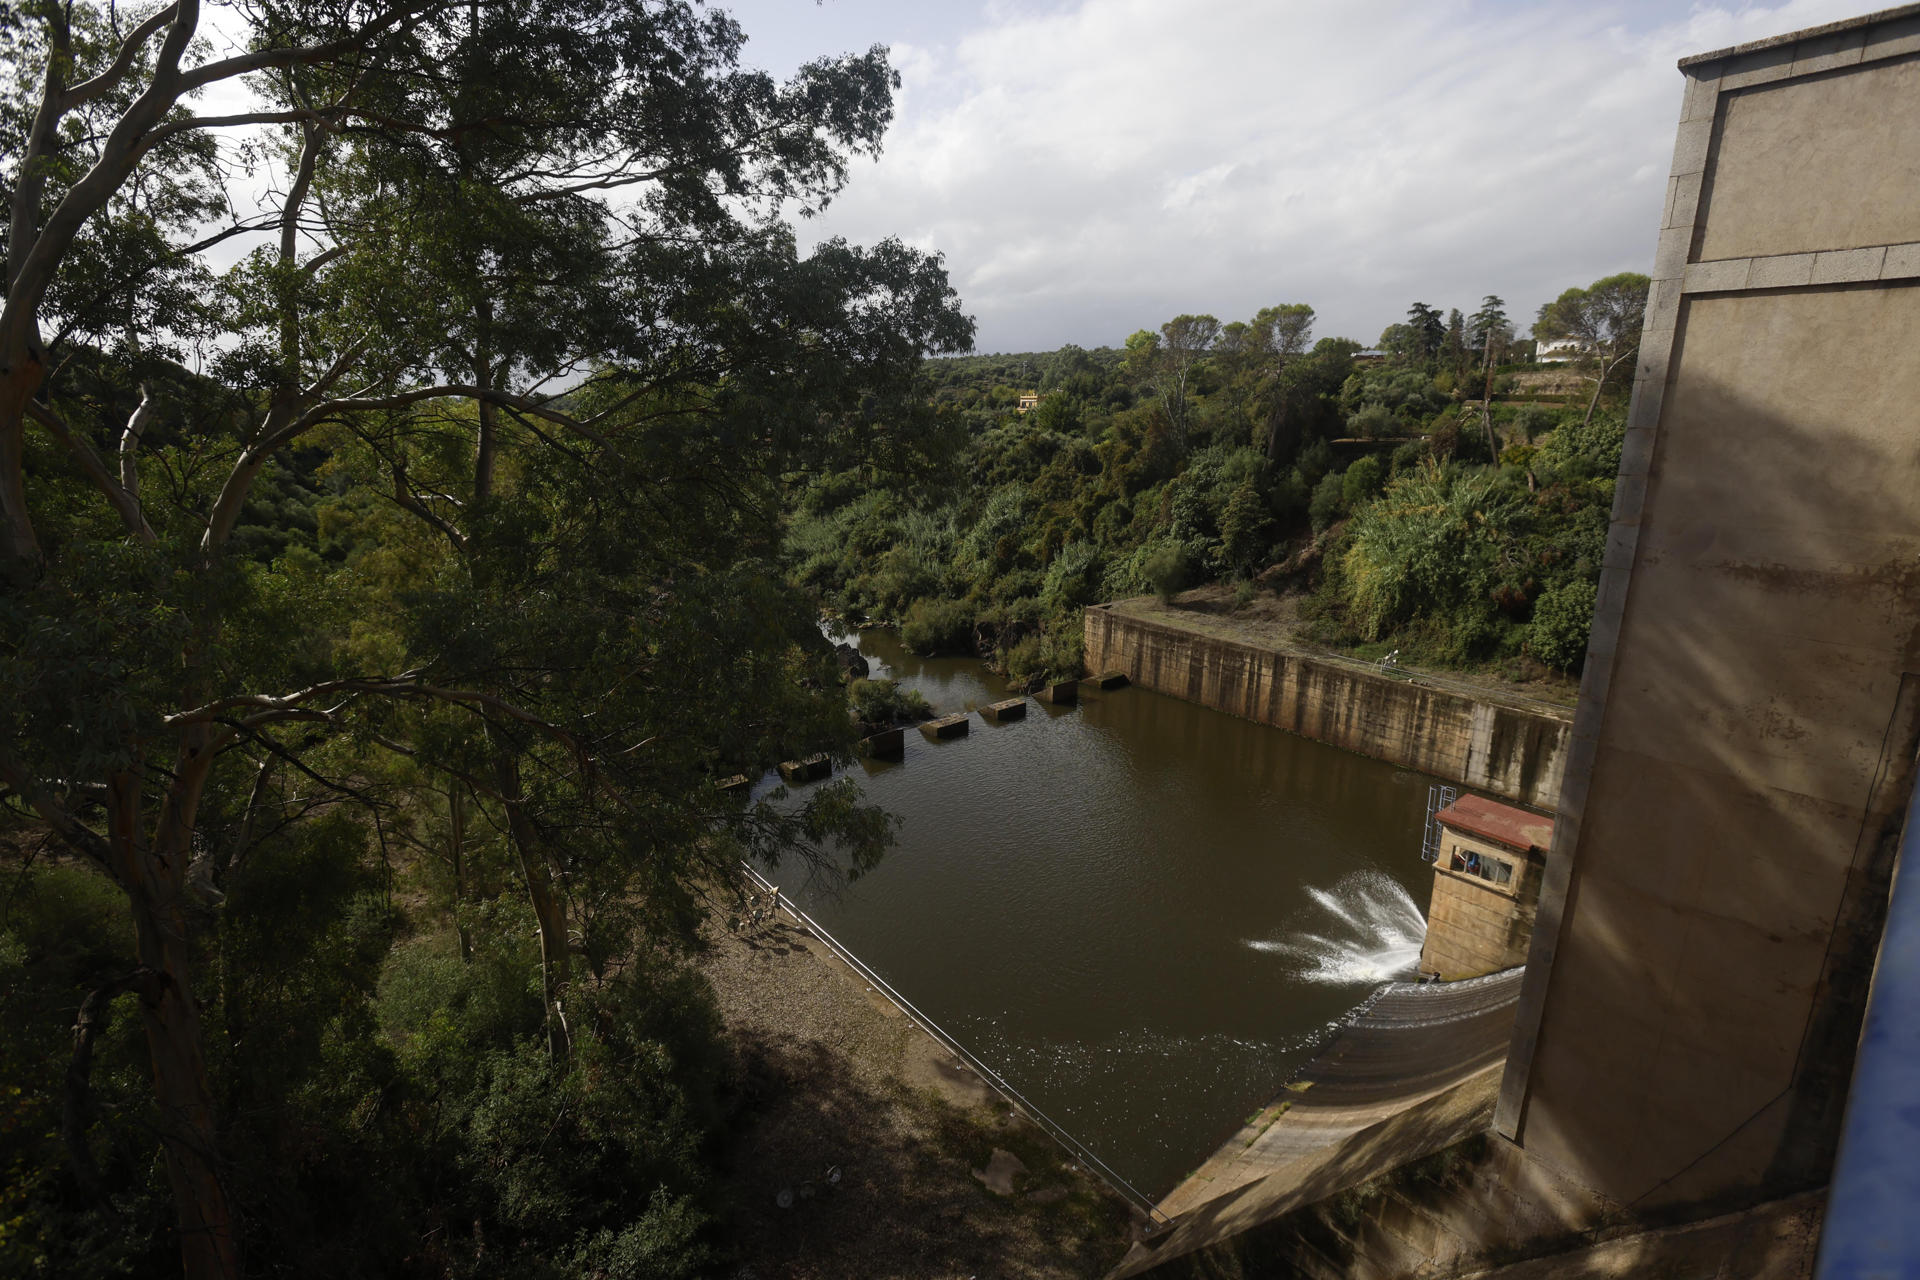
x,y
1092,167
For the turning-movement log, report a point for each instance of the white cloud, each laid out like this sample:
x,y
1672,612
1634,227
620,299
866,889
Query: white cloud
x,y
1104,166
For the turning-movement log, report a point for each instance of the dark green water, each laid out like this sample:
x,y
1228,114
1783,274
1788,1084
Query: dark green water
x,y
1141,912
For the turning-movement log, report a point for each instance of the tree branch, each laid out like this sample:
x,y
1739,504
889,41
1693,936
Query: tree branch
x,y
91,88
129,448
122,501
79,837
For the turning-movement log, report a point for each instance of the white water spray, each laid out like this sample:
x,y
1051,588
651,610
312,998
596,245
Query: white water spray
x,y
1365,929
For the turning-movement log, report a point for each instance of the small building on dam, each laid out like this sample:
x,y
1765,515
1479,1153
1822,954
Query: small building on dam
x,y
1487,870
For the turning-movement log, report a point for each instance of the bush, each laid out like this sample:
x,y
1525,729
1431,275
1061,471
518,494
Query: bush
x,y
1167,570
1533,421
1073,579
885,702
1562,617
938,626
1372,422
1329,501
1362,480
1055,653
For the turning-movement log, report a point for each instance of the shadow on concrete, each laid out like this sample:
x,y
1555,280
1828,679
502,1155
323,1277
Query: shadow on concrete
x,y
1722,909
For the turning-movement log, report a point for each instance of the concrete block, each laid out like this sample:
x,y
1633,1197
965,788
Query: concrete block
x,y
1683,208
1011,709
1663,303
1621,541
1902,262
888,744
1827,53
1690,146
1610,602
1892,39
1763,66
738,786
1843,265
1703,95
811,769
1654,359
1629,497
1670,255
953,726
1781,271
1065,693
1112,680
1643,411
1717,276
1636,453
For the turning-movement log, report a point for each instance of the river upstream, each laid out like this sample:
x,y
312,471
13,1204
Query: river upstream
x,y
1141,912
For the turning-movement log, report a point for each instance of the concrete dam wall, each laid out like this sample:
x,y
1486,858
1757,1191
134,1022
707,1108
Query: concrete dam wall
x,y
1517,751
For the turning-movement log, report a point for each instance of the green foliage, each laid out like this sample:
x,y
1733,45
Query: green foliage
x,y
1167,568
937,626
1362,480
1108,496
886,702
1329,500
393,638
1562,617
1432,541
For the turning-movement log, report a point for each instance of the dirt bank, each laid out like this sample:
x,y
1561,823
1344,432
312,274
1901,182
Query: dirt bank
x,y
839,1079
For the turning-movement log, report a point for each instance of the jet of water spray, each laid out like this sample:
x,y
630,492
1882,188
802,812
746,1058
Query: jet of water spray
x,y
1365,929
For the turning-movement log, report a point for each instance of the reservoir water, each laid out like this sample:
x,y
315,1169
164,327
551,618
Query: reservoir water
x,y
1143,913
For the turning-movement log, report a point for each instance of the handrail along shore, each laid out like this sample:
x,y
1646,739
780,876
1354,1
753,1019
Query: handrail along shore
x,y
1126,1190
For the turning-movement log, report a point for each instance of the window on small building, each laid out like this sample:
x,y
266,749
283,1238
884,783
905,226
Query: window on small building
x,y
1487,867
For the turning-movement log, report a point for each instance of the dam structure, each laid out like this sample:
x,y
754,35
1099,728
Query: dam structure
x,y
1737,786
1509,745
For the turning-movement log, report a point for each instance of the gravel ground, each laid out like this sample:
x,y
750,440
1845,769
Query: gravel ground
x,y
837,1078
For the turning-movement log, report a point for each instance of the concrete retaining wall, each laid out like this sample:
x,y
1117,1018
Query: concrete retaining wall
x,y
1506,750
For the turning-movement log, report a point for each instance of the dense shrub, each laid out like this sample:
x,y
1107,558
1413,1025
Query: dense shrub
x,y
1167,570
1329,501
1362,480
885,702
938,626
1562,617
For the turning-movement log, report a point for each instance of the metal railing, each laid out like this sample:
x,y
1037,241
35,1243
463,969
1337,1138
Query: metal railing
x,y
1073,1146
1872,1224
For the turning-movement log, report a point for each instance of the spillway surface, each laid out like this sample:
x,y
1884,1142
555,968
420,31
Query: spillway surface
x,y
1143,913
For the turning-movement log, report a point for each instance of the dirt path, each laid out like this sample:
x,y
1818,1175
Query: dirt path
x,y
839,1078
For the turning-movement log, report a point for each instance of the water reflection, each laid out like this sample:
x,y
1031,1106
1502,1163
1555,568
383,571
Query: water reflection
x,y
1073,897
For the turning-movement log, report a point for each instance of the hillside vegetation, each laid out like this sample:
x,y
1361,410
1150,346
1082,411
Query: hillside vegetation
x,y
1425,497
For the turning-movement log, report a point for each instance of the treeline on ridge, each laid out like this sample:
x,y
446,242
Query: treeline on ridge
x,y
1443,494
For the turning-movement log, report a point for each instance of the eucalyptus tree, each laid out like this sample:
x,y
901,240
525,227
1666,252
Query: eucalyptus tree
x,y
1284,332
1167,360
564,217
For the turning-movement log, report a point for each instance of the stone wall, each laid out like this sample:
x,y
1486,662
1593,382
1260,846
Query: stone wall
x,y
1473,928
1508,750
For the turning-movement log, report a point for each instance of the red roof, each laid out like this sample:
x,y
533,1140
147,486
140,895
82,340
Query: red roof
x,y
1502,823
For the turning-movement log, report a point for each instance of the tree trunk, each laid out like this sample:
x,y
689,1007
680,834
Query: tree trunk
x,y
457,850
155,881
20,376
547,910
1486,415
